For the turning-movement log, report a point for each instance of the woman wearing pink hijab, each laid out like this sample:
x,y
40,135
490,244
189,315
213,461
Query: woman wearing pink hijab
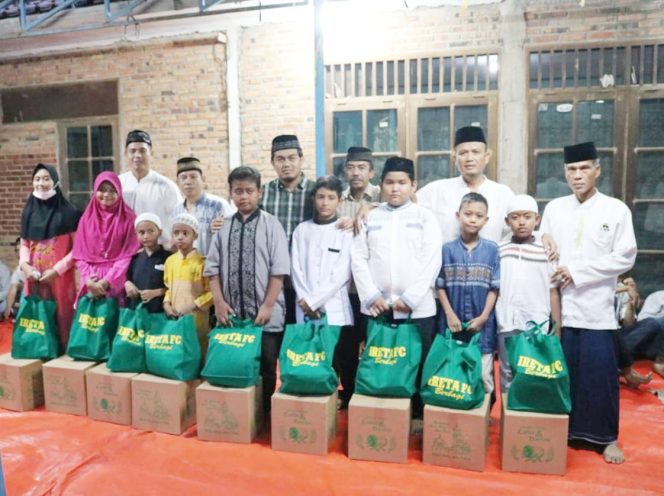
x,y
105,240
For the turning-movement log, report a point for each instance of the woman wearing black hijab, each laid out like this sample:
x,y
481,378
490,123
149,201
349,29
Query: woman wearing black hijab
x,y
48,225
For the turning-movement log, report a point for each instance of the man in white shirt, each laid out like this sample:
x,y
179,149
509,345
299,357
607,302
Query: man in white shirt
x,y
471,157
143,189
596,239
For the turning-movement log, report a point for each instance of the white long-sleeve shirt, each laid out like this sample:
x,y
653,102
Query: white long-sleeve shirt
x,y
154,193
596,243
443,198
320,270
398,254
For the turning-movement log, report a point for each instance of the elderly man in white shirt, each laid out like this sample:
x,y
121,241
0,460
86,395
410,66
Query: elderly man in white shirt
x,y
596,239
144,190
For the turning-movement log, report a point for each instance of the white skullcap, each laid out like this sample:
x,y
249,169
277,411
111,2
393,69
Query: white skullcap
x,y
154,218
187,220
522,203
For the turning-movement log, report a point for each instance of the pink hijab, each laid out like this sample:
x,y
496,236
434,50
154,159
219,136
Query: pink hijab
x,y
106,234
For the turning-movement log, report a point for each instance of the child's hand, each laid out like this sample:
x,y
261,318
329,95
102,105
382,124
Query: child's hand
x,y
170,311
400,306
189,309
345,223
222,311
379,306
48,276
476,324
263,315
131,290
216,224
453,322
149,294
308,311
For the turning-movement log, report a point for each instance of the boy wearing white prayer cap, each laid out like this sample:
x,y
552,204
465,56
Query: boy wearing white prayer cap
x,y
526,291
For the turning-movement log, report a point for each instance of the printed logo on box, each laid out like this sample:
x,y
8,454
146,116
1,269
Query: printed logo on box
x,y
110,406
532,454
298,428
152,408
219,418
535,434
60,392
450,442
374,442
7,393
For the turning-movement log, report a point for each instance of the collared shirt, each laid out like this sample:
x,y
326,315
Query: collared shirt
x,y
467,277
596,243
147,272
525,285
443,198
320,270
186,284
396,255
270,258
349,205
289,207
154,193
207,208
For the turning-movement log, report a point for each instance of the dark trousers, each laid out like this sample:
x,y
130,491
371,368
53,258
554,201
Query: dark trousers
x,y
347,352
271,344
593,373
291,297
641,341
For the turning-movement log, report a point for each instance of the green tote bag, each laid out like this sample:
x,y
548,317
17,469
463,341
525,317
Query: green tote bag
x,y
390,361
540,374
305,359
93,329
128,350
452,373
35,333
172,349
234,354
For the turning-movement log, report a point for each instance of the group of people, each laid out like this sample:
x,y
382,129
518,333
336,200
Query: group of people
x,y
460,254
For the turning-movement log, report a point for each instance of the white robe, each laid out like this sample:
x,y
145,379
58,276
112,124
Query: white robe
x,y
596,243
320,270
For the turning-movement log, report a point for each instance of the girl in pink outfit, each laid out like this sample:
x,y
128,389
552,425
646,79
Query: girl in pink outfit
x,y
48,224
105,240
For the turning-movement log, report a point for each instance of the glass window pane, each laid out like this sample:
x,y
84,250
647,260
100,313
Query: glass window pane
x,y
447,74
583,68
424,79
402,77
648,272
379,163
660,63
458,73
620,66
554,124
595,56
494,69
557,62
80,200
413,76
594,122
651,122
346,130
382,130
545,61
379,78
534,66
649,225
430,168
471,115
102,141
570,68
368,79
390,78
77,142
650,175
605,181
433,128
101,166
435,75
648,54
79,175
550,174
470,73
482,70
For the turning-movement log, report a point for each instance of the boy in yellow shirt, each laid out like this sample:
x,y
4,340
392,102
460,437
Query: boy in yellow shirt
x,y
187,290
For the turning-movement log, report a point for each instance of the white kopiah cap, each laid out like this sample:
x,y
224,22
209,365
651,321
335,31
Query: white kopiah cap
x,y
187,220
522,203
154,218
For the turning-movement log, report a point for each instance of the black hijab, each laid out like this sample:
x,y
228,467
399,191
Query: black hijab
x,y
46,219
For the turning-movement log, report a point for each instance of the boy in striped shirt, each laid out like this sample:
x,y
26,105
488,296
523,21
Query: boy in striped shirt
x,y
526,292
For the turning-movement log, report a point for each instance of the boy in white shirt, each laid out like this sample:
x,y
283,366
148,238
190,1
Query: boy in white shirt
x,y
396,256
526,291
320,271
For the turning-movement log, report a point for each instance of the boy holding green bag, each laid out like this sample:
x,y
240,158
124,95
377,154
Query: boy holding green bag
x,y
246,264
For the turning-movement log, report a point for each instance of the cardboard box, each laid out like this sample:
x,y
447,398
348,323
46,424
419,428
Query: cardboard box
x,y
456,438
109,395
162,405
64,385
303,424
228,414
535,443
378,428
21,383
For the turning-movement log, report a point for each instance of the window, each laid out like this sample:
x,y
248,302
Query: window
x,y
613,96
410,107
87,147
